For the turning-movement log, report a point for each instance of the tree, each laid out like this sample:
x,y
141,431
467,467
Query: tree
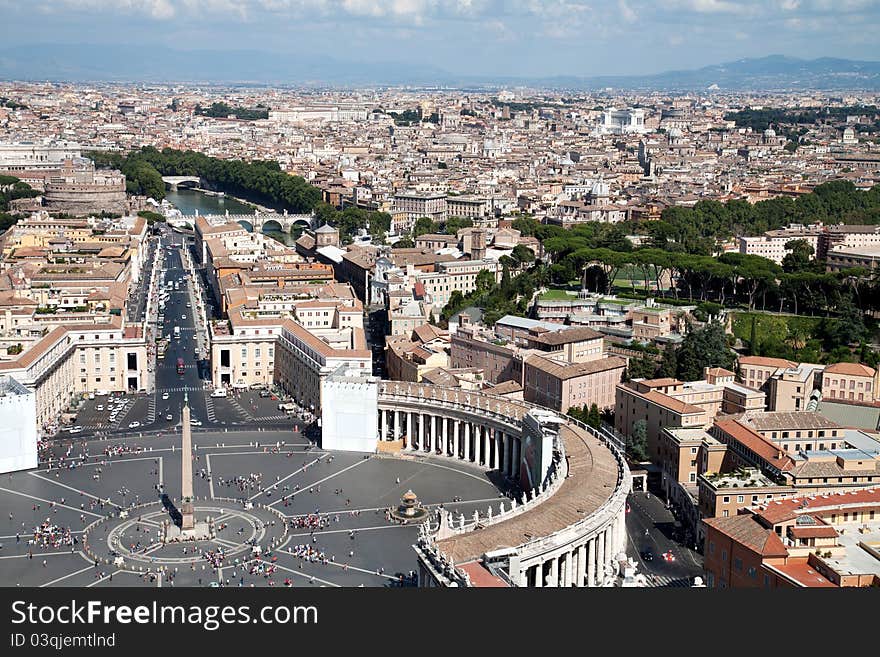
x,y
484,281
705,347
526,225
594,419
523,254
455,224
404,243
423,226
642,367
668,364
799,256
637,443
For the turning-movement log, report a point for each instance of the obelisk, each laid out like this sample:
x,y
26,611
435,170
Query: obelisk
x,y
187,521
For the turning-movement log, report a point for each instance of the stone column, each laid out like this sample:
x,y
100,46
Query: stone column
x,y
498,447
553,580
455,445
591,562
410,430
398,423
444,434
467,436
478,443
515,456
600,559
383,435
505,445
581,565
421,431
539,576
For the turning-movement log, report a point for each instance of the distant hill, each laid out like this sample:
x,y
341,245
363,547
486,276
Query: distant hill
x,y
159,64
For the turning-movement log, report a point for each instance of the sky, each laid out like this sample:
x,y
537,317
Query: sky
x,y
528,38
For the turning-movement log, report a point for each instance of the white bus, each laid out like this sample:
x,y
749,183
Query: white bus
x,y
176,332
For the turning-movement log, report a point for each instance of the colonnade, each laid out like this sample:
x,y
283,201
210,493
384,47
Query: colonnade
x,y
585,563
494,447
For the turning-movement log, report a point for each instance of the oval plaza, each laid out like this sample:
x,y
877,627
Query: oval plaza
x,y
561,522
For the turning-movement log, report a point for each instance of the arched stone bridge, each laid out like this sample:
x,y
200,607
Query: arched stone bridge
x,y
260,221
187,181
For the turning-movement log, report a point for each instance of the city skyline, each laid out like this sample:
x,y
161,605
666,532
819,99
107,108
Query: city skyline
x,y
468,37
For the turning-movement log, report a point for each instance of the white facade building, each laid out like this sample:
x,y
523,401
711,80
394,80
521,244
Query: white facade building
x,y
18,426
349,418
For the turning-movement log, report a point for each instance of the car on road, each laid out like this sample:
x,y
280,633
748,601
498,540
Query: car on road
x,y
99,407
74,429
668,556
265,393
195,422
169,417
165,395
647,555
183,317
134,425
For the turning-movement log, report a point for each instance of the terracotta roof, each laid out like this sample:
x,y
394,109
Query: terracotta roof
x,y
566,336
776,511
572,370
660,383
800,571
480,577
756,443
850,369
820,531
762,361
747,531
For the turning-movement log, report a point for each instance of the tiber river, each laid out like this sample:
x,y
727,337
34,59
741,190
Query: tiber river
x,y
189,200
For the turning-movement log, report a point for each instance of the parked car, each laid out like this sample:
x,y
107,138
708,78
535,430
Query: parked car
x,y
265,393
165,395
75,429
169,417
218,392
99,407
195,422
134,425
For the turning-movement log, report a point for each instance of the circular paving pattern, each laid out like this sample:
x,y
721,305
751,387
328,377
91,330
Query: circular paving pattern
x,y
58,521
137,540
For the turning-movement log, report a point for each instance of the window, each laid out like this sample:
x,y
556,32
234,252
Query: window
x,y
740,499
726,499
711,547
738,565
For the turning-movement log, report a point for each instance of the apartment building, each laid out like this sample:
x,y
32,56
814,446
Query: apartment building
x,y
80,358
850,382
643,401
559,385
501,358
788,385
408,358
411,206
772,244
812,541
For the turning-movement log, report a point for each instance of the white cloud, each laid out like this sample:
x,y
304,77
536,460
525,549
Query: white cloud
x,y
626,12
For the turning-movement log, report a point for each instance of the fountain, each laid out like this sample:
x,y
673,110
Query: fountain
x,y
409,508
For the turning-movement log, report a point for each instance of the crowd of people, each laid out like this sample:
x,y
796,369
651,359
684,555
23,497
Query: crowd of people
x,y
50,535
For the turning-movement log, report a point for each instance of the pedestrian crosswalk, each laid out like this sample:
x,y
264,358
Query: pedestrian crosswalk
x,y
272,418
240,409
200,388
666,581
209,407
151,410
